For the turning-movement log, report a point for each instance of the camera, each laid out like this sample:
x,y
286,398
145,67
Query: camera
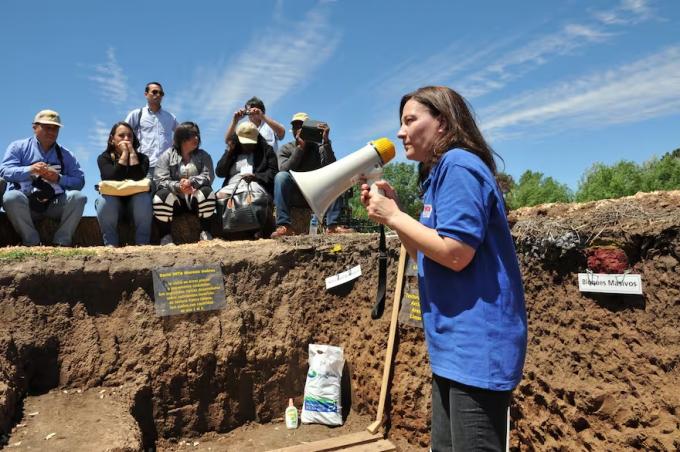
x,y
311,132
39,199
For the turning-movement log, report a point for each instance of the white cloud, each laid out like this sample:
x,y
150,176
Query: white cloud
x,y
98,135
280,59
491,67
644,89
628,12
481,70
456,60
590,33
536,52
110,79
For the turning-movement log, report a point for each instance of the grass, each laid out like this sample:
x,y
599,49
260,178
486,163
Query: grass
x,y
17,255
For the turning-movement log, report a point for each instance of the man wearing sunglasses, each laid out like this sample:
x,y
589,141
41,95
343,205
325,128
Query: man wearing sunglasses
x,y
153,126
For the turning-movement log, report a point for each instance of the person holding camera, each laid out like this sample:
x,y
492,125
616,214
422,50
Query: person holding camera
x,y
45,180
271,130
301,155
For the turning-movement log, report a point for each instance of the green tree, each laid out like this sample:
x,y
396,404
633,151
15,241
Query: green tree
x,y
534,188
662,174
404,178
603,182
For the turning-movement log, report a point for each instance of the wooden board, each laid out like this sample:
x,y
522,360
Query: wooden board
x,y
382,445
338,443
384,387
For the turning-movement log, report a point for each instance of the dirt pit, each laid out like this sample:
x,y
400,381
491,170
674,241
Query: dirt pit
x,y
602,370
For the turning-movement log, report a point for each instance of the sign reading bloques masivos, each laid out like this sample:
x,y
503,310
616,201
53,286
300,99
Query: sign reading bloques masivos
x,y
188,289
610,283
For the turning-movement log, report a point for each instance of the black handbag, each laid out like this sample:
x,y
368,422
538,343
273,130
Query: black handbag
x,y
41,198
245,211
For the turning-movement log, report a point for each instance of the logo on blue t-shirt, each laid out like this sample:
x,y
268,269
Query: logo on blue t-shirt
x,y
427,210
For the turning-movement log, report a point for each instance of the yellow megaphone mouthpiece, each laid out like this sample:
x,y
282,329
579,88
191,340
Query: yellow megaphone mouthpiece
x,y
385,149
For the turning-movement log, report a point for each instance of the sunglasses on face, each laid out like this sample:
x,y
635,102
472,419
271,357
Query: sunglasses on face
x,y
157,92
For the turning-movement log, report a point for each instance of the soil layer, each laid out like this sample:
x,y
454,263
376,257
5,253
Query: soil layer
x,y
602,370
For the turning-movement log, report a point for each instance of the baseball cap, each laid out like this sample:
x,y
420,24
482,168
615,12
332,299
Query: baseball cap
x,y
299,117
247,133
47,117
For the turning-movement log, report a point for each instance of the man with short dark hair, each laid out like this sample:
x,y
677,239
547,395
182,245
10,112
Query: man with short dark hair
x,y
153,126
271,130
301,155
45,180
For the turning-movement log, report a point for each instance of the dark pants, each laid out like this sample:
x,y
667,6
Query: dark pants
x,y
465,418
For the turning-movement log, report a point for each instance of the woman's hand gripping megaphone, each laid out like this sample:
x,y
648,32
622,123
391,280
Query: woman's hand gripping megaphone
x,y
381,201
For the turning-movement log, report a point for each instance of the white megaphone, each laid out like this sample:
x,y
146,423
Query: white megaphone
x,y
323,186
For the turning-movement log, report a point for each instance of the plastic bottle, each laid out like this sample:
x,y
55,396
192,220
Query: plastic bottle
x,y
291,415
313,225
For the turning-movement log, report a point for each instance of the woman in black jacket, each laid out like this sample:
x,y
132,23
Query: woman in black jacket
x,y
248,160
118,162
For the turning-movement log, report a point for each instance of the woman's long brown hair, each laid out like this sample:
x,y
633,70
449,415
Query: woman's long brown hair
x,y
460,128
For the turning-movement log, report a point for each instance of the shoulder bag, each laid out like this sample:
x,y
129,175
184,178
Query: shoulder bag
x,y
245,211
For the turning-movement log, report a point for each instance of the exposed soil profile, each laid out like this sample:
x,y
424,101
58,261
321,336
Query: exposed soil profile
x,y
602,371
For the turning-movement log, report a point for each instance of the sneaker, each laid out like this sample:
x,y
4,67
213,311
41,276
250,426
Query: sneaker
x,y
167,240
283,230
337,229
204,236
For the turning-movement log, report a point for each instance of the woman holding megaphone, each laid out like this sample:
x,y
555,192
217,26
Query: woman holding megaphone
x,y
471,293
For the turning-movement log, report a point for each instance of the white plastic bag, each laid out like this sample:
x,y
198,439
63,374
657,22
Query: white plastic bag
x,y
322,389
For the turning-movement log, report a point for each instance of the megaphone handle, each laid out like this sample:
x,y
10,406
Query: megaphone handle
x,y
374,188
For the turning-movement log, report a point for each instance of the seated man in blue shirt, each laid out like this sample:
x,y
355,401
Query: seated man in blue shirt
x,y
43,179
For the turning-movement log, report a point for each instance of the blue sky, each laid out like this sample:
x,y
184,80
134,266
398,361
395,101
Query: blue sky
x,y
556,86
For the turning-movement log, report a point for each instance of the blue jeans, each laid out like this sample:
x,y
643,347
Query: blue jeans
x,y
287,195
138,207
149,175
465,418
3,186
67,208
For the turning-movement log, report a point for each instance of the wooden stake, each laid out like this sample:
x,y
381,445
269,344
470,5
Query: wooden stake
x,y
396,304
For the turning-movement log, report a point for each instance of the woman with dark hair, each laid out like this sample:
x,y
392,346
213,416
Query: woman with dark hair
x,y
121,161
248,160
183,175
471,293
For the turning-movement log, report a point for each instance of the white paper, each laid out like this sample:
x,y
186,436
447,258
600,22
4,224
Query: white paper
x,y
606,283
341,278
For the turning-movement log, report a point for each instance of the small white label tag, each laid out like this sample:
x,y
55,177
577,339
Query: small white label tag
x,y
620,283
427,210
343,277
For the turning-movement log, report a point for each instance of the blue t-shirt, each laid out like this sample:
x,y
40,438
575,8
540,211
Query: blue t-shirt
x,y
475,320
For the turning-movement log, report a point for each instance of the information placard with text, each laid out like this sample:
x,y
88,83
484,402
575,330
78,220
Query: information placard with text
x,y
183,290
409,313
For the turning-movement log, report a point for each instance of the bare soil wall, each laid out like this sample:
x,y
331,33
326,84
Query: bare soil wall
x,y
602,371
